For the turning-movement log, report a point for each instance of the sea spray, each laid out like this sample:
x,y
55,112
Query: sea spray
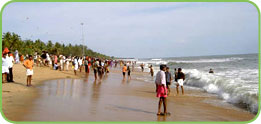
x,y
231,90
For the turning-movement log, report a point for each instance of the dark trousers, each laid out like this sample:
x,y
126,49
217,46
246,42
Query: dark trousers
x,y
10,75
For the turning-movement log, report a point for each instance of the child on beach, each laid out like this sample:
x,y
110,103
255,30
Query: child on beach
x,y
161,89
28,64
180,80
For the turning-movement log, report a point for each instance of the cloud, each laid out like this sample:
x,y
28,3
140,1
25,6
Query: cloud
x,y
140,29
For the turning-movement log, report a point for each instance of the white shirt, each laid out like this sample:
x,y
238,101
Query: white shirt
x,y
160,78
48,57
80,61
76,62
5,61
10,60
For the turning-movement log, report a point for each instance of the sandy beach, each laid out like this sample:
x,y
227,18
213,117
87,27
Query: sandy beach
x,y
111,99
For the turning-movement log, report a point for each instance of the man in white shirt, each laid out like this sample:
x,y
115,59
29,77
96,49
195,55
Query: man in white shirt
x,y
10,61
161,90
5,69
75,64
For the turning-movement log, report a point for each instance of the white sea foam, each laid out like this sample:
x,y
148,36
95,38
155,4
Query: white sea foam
x,y
232,90
207,60
152,61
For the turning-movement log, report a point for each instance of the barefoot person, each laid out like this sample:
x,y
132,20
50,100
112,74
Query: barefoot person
x,y
168,79
180,80
161,89
28,64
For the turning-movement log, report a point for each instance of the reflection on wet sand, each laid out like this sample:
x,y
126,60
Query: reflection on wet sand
x,y
88,100
161,118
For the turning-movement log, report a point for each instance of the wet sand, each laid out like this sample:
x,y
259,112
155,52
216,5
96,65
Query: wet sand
x,y
111,99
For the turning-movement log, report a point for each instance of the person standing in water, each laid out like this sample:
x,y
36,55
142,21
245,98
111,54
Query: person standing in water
x,y
161,89
168,79
211,71
180,80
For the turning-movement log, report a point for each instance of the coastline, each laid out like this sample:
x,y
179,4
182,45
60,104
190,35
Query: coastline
x,y
190,107
16,96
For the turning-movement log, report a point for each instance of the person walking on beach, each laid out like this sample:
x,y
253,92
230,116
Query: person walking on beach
x,y
168,79
75,61
180,80
129,72
16,56
151,71
5,69
80,63
161,89
22,58
95,68
124,69
28,64
67,61
86,65
10,61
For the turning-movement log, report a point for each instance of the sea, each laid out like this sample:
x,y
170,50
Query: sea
x,y
235,79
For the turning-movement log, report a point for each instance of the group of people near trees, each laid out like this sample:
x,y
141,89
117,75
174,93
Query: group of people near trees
x,y
99,66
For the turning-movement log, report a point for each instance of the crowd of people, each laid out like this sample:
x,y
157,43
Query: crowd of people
x,y
100,67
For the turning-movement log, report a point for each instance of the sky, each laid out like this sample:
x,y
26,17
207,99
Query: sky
x,y
138,29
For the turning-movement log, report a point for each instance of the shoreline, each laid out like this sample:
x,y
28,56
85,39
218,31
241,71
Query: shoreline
x,y
16,101
16,95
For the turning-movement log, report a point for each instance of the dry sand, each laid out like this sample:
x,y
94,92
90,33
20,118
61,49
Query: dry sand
x,y
18,99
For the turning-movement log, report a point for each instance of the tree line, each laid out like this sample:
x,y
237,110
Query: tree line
x,y
14,42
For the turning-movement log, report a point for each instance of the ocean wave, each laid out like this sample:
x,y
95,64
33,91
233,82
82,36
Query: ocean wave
x,y
235,91
206,60
154,62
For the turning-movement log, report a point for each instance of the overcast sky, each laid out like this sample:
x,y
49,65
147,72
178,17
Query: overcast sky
x,y
140,30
